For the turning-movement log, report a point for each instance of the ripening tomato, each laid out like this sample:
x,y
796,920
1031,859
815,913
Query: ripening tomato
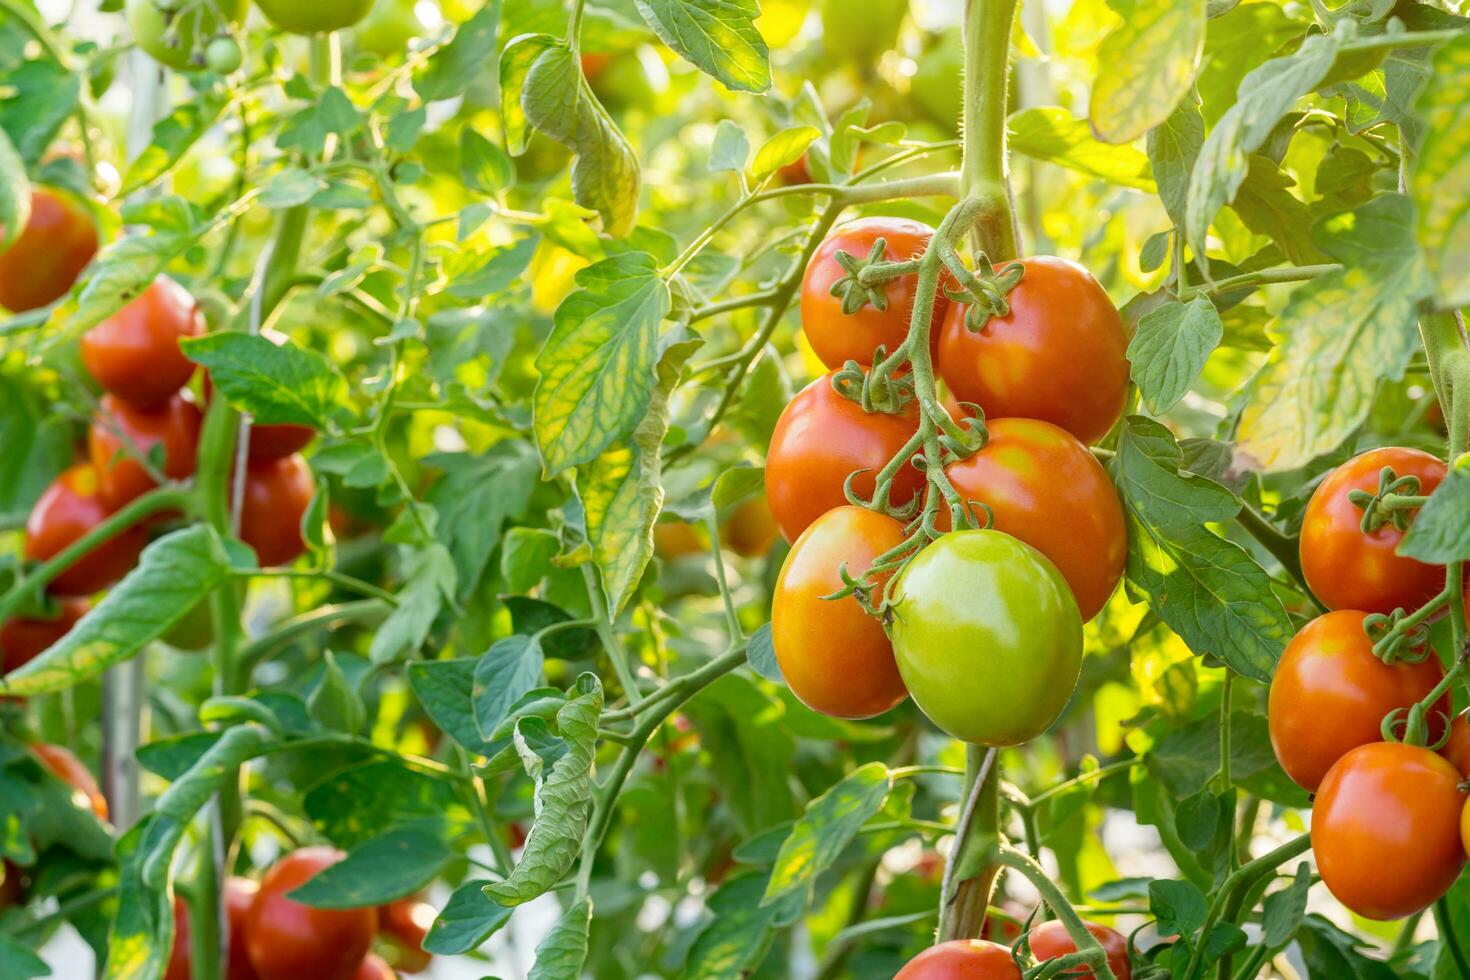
x,y
796,172
317,17
1046,488
819,440
1050,940
1330,694
1059,355
1348,569
1386,829
987,637
962,959
72,771
277,493
178,39
837,337
286,940
405,923
374,967
389,28
174,425
239,893
23,638
135,353
69,508
1457,749
836,658
51,251
751,528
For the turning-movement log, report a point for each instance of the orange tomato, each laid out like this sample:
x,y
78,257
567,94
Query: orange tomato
x,y
135,353
174,425
72,771
45,259
962,959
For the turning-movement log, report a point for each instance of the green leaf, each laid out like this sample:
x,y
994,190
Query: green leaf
x,y
1330,952
751,751
468,919
19,963
446,690
597,367
1439,178
730,148
1342,334
335,703
1440,533
454,67
786,147
739,931
38,446
1266,94
1179,906
370,800
1147,64
273,382
605,174
1283,910
1267,207
15,193
1170,348
124,269
483,165
173,575
1173,148
622,490
1186,759
377,871
141,934
1208,590
487,273
504,674
761,652
1055,135
430,585
37,97
515,61
474,499
561,954
717,36
563,803
830,823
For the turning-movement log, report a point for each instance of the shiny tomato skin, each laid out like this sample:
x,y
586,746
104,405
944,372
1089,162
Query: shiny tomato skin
x,y
1330,694
405,923
822,437
1046,488
1457,749
835,657
987,637
1050,941
1059,355
23,638
289,941
962,959
43,262
837,337
239,893
277,493
1347,569
317,17
68,509
72,771
374,967
135,354
1386,829
174,425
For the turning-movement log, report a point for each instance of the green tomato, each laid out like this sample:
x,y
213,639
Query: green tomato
x,y
223,55
847,34
389,28
179,40
314,16
987,637
195,631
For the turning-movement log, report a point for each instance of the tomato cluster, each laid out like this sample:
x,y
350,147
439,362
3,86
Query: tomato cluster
x,y
979,959
999,609
272,937
1379,804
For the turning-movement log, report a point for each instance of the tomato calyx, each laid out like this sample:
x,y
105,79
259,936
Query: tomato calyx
x,y
1399,638
1395,501
876,392
985,290
863,284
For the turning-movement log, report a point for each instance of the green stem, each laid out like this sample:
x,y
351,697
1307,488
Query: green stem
x,y
694,680
1101,772
963,901
602,620
308,622
1281,547
983,172
732,619
1088,948
1230,896
1261,277
1450,939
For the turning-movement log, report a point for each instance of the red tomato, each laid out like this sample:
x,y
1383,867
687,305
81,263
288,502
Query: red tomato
x,y
44,261
838,337
1386,829
405,923
1058,356
1046,488
373,967
1457,749
69,508
22,638
289,941
239,893
135,353
836,658
962,959
797,172
1050,941
174,425
1348,569
13,887
277,492
822,437
1330,694
594,63
72,771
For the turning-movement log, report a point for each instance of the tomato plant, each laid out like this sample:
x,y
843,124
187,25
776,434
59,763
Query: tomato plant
x,y
801,489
